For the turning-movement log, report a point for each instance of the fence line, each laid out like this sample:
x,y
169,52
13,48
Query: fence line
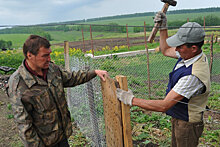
x,y
137,80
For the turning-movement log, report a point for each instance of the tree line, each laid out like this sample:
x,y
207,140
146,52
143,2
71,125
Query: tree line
x,y
5,44
111,27
26,30
201,10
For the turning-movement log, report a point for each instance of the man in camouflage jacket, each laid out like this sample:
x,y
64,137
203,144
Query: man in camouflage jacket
x,y
36,91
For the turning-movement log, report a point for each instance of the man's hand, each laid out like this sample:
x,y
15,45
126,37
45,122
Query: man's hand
x,y
125,96
101,74
161,18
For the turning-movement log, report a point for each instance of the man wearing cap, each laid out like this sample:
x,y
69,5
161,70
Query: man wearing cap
x,y
188,87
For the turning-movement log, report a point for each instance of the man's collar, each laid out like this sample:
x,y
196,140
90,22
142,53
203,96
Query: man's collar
x,y
29,78
192,60
44,77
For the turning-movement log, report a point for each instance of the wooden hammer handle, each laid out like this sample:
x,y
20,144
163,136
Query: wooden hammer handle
x,y
156,25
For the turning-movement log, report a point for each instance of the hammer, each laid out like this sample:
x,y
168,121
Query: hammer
x,y
156,25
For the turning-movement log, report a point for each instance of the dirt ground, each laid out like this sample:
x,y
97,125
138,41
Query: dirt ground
x,y
8,132
98,44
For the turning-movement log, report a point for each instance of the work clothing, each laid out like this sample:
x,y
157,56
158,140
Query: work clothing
x,y
40,108
190,32
187,115
185,134
191,110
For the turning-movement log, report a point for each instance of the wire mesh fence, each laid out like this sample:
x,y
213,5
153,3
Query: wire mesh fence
x,y
85,104
86,100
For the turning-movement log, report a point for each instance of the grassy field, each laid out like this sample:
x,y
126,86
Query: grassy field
x,y
17,39
60,36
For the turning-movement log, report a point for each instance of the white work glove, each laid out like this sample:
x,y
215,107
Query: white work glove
x,y
125,96
161,18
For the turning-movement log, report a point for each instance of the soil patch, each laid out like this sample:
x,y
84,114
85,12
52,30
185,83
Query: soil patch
x,y
8,131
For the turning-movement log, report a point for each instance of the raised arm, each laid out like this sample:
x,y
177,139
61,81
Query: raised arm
x,y
165,49
161,18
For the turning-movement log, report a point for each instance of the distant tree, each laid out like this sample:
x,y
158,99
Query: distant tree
x,y
9,44
141,28
42,33
5,44
2,44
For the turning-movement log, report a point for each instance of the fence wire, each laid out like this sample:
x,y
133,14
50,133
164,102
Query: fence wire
x,y
85,104
86,100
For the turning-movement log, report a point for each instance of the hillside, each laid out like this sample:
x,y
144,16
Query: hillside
x,y
182,11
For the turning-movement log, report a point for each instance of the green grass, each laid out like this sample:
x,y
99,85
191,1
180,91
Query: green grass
x,y
17,39
60,36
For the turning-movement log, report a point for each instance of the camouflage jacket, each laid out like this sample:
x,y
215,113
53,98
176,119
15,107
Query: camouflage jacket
x,y
40,108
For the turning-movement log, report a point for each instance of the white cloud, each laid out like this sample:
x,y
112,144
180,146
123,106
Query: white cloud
x,y
64,2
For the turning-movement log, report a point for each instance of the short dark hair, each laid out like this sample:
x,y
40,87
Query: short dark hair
x,y
34,43
198,44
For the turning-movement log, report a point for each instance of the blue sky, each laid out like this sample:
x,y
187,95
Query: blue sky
x,y
26,12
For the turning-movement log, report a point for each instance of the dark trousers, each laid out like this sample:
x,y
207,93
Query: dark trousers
x,y
186,134
63,143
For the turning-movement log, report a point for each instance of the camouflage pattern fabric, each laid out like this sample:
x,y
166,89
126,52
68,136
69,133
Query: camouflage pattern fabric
x,y
40,107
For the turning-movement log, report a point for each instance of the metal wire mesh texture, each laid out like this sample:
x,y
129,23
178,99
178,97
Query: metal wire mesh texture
x,y
86,104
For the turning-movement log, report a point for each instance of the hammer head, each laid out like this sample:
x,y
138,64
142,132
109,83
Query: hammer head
x,y
170,2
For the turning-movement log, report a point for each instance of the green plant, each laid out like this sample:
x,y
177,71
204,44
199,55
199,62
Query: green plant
x,y
10,116
9,106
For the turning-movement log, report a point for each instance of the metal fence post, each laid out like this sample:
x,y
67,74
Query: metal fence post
x,y
211,53
127,37
84,49
91,40
148,64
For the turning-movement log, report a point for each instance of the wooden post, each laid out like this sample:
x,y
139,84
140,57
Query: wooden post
x,y
125,109
66,55
91,40
67,67
187,19
211,53
84,49
127,37
204,22
148,64
112,114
